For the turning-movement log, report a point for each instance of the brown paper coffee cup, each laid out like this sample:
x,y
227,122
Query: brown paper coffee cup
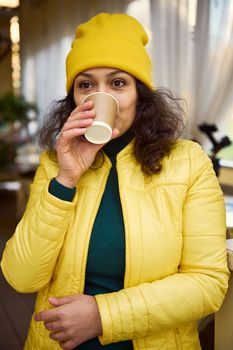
x,y
106,107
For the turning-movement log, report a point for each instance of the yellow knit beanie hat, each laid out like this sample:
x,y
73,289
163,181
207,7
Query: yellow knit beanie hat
x,y
110,40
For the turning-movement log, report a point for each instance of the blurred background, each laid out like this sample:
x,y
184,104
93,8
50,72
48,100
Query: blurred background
x,y
191,47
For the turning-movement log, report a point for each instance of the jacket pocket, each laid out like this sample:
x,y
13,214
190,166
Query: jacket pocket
x,y
179,345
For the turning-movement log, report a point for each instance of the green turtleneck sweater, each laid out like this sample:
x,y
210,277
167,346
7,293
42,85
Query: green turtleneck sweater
x,y
106,255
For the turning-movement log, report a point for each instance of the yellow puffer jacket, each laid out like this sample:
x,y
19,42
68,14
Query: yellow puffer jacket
x,y
176,270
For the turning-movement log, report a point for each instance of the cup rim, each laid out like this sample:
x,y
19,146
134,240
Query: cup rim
x,y
103,93
99,123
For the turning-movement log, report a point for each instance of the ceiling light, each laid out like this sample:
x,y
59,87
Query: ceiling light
x,y
9,3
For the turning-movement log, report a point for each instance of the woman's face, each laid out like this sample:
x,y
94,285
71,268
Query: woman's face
x,y
115,82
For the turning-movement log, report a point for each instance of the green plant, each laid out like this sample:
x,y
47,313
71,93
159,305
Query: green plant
x,y
14,116
15,108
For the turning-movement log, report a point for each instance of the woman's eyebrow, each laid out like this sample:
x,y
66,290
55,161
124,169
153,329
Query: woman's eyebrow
x,y
87,75
90,75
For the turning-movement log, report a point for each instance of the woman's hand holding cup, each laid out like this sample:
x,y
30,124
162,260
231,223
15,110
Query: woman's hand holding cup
x,y
74,153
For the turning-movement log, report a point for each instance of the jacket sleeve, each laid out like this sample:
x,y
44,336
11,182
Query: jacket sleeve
x,y
198,288
31,253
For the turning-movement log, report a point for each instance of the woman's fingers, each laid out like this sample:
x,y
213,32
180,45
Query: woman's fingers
x,y
47,315
70,134
83,107
67,345
54,326
115,133
59,336
74,129
80,123
81,115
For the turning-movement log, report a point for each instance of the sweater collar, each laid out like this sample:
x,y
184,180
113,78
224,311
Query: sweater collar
x,y
113,147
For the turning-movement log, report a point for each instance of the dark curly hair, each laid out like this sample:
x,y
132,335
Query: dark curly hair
x,y
159,122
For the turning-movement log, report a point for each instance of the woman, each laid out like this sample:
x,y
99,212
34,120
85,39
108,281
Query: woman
x,y
124,242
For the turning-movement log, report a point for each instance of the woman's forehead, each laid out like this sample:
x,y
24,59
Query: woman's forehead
x,y
102,71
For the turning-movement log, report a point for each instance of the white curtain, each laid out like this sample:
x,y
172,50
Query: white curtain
x,y
47,30
192,52
213,98
171,37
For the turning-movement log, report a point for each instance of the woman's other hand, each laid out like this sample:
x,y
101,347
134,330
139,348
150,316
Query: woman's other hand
x,y
74,320
75,154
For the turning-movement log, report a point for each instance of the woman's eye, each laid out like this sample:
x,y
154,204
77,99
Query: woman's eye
x,y
118,83
85,85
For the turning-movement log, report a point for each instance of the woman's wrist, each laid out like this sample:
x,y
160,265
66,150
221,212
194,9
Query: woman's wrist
x,y
65,181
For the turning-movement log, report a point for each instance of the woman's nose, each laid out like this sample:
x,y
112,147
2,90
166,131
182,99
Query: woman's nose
x,y
103,88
